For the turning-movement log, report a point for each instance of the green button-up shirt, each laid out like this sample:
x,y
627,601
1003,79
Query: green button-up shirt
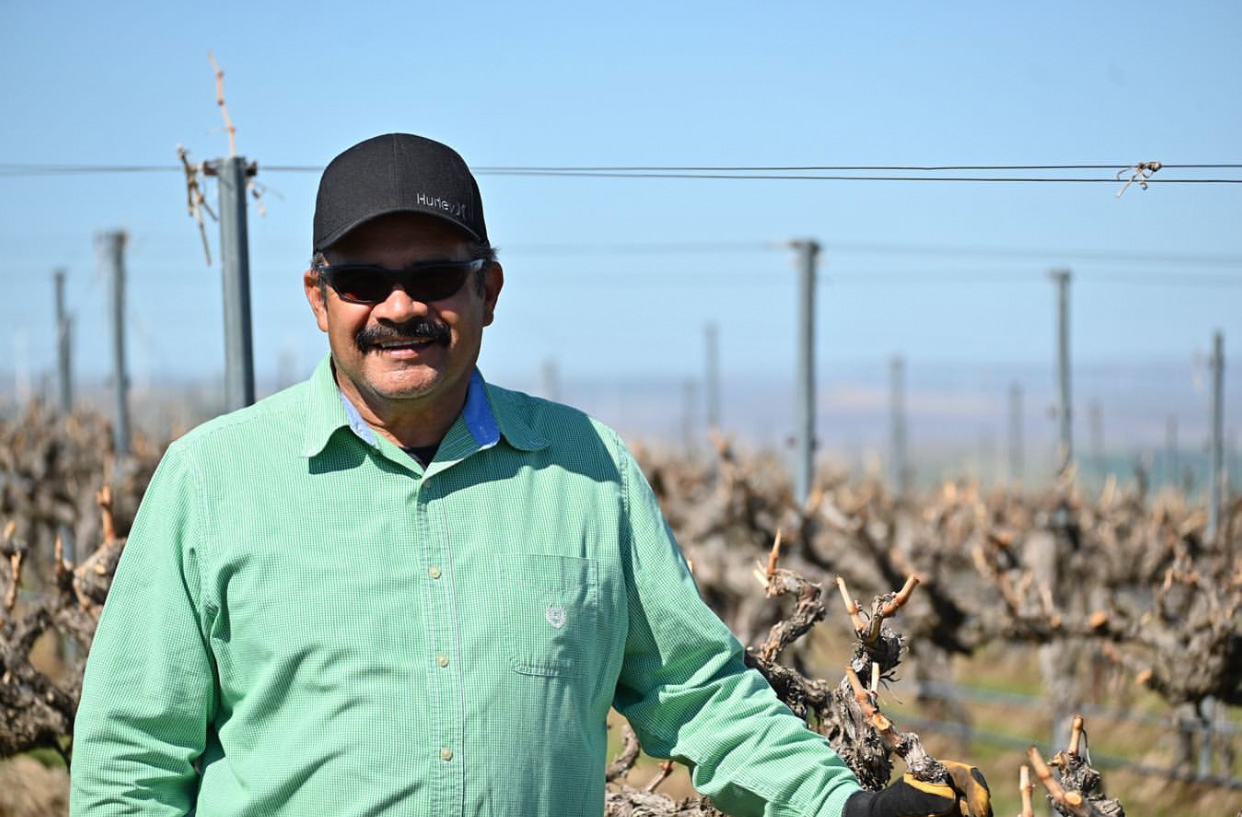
x,y
307,622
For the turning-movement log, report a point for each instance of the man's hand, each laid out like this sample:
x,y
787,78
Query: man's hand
x,y
974,798
968,796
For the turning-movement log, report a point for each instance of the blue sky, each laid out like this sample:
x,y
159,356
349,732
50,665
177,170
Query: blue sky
x,y
649,84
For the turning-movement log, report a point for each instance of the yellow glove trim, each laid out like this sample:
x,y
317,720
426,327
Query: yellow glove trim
x,y
935,789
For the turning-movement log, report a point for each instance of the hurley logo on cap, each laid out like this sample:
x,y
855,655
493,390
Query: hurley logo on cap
x,y
456,210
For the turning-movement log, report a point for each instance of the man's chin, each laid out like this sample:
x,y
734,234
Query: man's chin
x,y
404,389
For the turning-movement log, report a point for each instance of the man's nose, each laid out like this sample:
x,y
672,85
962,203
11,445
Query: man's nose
x,y
399,306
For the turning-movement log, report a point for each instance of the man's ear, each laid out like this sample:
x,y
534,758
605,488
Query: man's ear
x,y
316,295
493,282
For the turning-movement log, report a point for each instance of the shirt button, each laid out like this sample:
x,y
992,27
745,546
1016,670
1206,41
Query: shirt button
x,y
446,753
433,572
442,660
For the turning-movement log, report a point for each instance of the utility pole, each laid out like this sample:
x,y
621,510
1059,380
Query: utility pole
x,y
1097,440
1065,449
1217,456
64,345
1015,433
114,256
898,471
711,380
804,469
231,174
1171,464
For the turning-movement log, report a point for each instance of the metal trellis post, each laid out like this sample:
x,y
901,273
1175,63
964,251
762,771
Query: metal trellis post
x,y
232,173
64,381
804,473
1217,457
1065,451
114,257
1096,417
897,420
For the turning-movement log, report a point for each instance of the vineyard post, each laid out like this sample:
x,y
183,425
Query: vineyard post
x,y
1096,419
64,382
114,256
898,471
711,380
1065,449
1207,715
1015,433
808,252
1207,708
232,173
1218,437
64,329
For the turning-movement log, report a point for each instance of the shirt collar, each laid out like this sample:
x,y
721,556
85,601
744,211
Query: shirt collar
x,y
485,417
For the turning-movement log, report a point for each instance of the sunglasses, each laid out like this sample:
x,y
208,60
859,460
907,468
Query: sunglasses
x,y
372,284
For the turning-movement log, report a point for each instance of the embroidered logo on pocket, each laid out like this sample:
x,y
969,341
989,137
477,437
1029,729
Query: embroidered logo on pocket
x,y
555,614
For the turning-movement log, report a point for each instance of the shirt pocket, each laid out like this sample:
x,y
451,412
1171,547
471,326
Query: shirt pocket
x,y
551,610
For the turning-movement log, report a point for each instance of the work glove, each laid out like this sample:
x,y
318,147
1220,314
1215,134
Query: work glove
x,y
968,796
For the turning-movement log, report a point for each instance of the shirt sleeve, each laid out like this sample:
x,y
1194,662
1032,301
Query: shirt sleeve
x,y
688,695
148,693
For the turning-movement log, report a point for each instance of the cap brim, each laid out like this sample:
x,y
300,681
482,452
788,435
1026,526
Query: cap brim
x,y
336,235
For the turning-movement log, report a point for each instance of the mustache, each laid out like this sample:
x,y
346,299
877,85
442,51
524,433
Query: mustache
x,y
417,329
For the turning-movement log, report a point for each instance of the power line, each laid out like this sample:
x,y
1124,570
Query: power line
x,y
80,170
993,277
880,248
731,172
879,277
1038,254
842,178
841,168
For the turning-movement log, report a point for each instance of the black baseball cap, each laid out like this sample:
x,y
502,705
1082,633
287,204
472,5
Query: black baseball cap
x,y
396,173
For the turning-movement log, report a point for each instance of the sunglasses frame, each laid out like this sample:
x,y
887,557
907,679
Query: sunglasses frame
x,y
406,278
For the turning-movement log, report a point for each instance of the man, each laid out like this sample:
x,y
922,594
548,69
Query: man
x,y
396,589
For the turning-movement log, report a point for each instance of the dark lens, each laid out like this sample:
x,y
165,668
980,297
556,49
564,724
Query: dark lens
x,y
362,285
434,283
